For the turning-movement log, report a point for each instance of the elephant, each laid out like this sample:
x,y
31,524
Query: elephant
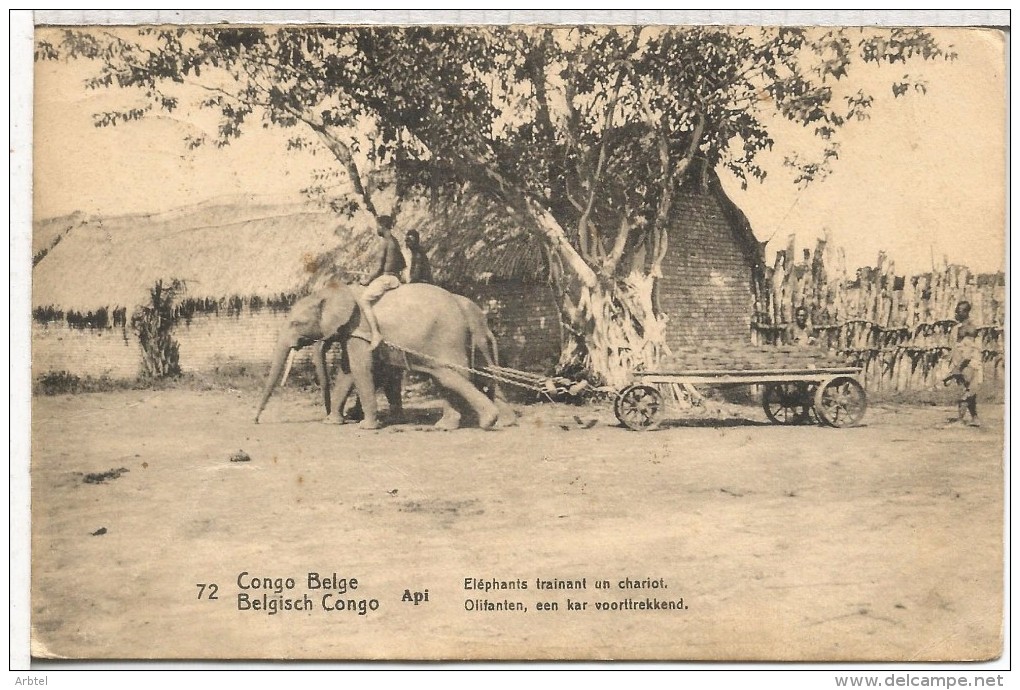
x,y
484,354
389,377
485,351
425,326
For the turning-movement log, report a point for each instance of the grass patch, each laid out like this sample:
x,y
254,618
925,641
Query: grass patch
x,y
66,383
230,376
100,477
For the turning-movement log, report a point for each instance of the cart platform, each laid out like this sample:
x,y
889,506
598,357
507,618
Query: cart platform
x,y
832,396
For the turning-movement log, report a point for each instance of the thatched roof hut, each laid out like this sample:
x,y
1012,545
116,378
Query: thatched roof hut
x,y
219,249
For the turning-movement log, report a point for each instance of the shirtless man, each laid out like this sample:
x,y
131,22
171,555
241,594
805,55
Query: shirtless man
x,y
384,277
799,332
966,363
420,270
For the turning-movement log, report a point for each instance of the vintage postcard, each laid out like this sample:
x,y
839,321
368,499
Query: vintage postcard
x,y
518,342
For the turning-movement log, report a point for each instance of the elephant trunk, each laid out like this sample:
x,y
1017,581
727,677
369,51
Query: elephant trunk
x,y
275,374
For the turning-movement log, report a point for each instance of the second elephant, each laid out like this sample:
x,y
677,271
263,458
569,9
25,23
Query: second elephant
x,y
426,324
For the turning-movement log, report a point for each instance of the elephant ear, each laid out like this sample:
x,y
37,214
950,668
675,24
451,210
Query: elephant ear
x,y
339,310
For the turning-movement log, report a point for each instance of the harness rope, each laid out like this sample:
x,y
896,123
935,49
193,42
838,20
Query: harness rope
x,y
543,385
534,382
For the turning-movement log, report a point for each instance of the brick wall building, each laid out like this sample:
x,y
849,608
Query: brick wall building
x,y
712,267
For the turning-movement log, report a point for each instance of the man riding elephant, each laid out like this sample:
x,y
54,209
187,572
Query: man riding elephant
x,y
420,271
388,266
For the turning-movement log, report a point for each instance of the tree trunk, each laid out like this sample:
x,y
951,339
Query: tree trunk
x,y
611,326
613,330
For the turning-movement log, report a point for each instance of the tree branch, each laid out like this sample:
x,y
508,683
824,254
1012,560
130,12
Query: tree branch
x,y
340,150
583,224
343,153
619,246
539,217
660,238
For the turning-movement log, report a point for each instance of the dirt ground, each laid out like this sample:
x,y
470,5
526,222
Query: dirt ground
x,y
805,543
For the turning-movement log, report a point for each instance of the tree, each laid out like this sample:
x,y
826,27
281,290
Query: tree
x,y
584,134
154,325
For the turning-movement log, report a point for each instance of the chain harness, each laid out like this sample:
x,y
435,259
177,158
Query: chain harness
x,y
548,387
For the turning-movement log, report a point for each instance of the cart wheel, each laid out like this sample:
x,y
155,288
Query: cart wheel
x,y
841,402
787,403
638,406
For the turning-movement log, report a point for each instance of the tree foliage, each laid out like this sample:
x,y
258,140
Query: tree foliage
x,y
154,324
585,133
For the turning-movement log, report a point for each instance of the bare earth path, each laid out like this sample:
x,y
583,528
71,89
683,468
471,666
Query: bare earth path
x,y
881,542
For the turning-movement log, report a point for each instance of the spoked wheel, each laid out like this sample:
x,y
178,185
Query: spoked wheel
x,y
787,403
841,402
638,407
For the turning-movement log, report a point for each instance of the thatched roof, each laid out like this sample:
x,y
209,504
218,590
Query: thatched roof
x,y
218,249
475,241
251,248
254,248
48,232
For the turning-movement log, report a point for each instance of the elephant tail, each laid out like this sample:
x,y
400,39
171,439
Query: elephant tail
x,y
490,337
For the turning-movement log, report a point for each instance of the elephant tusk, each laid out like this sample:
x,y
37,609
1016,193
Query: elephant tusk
x,y
286,369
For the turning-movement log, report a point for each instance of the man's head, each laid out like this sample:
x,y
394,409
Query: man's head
x,y
801,316
385,224
962,310
412,239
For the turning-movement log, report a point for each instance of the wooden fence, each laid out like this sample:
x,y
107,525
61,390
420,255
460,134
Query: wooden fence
x,y
900,329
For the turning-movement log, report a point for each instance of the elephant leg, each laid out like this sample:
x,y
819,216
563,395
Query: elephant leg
x,y
341,392
392,384
355,414
360,358
451,417
507,414
489,350
342,385
491,388
479,402
319,357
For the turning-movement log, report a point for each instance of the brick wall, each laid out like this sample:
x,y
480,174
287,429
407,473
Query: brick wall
x,y
523,318
207,342
90,352
706,284
525,321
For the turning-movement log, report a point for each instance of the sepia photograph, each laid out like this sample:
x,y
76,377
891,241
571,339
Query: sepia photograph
x,y
517,342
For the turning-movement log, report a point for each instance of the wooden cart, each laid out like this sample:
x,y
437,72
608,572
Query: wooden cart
x,y
833,396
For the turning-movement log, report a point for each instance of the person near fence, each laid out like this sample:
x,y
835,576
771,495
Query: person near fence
x,y
966,365
800,332
420,271
385,276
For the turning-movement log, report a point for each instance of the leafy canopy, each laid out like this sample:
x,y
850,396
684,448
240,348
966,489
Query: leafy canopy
x,y
595,126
